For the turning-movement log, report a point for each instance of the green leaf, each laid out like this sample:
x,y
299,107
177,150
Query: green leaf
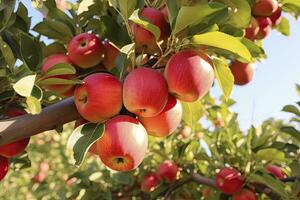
x,y
124,178
223,41
284,27
20,162
192,15
83,138
33,105
291,131
125,59
22,22
6,13
192,112
54,48
145,24
275,184
37,92
224,76
264,154
173,11
59,81
291,6
31,52
298,89
8,54
25,85
125,7
255,50
62,17
60,69
291,109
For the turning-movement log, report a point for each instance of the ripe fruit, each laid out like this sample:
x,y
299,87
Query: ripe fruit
x,y
264,28
243,73
276,17
110,54
15,148
99,98
244,194
265,7
85,50
276,171
167,171
189,75
252,30
165,11
165,122
3,167
50,62
124,143
229,180
145,92
143,37
149,182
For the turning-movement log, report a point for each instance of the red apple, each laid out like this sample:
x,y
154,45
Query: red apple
x,y
15,148
50,62
264,8
167,171
244,194
243,73
276,17
190,75
85,50
110,54
166,122
99,98
265,28
3,167
252,30
143,37
124,143
165,11
149,182
145,92
229,180
276,171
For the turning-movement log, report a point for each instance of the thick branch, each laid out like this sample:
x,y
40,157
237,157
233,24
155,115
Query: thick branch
x,y
28,125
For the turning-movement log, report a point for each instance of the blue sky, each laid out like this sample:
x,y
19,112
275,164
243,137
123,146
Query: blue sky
x,y
274,84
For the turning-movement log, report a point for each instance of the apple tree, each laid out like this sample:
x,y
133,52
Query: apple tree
x,y
106,99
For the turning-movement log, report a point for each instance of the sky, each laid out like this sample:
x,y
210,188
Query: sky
x,y
273,86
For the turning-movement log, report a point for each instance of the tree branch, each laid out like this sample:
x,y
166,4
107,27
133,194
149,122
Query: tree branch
x,y
24,126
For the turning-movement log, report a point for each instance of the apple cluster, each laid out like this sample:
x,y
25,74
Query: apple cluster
x,y
13,149
231,182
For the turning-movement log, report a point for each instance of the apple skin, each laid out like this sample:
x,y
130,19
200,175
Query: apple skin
x,y
15,148
276,17
166,122
265,8
85,50
145,92
165,11
124,143
244,194
143,37
99,98
243,73
229,180
265,28
189,75
110,54
149,182
167,171
252,30
50,62
276,171
3,167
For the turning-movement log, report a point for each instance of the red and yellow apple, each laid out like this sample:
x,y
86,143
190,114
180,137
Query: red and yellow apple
x,y
229,180
276,171
252,30
99,97
3,167
189,75
15,148
265,28
110,54
166,122
265,8
49,63
276,17
145,92
149,182
243,73
85,50
167,171
244,194
124,143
